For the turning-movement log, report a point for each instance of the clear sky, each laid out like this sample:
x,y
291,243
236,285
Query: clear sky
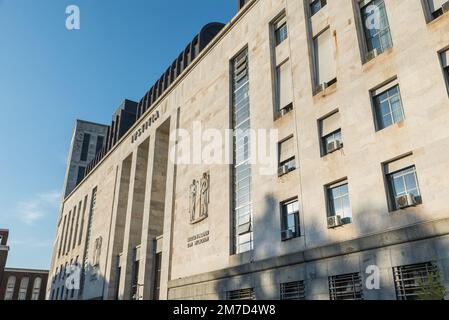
x,y
50,76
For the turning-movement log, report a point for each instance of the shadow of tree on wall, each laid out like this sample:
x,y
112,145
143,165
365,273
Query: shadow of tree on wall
x,y
368,245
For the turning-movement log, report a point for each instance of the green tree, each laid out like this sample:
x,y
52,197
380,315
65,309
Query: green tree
x,y
431,289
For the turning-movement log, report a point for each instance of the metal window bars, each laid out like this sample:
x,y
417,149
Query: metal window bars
x,y
242,294
346,287
410,279
293,291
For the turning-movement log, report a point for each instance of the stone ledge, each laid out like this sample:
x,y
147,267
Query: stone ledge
x,y
421,231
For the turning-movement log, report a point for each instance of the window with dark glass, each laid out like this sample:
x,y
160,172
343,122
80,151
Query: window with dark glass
x,y
290,220
100,140
376,27
280,30
437,7
445,64
317,5
388,107
157,275
81,172
85,147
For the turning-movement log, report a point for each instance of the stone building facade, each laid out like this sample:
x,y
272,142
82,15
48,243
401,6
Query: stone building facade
x,y
357,94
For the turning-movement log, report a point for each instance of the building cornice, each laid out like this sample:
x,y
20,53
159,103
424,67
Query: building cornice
x,y
19,270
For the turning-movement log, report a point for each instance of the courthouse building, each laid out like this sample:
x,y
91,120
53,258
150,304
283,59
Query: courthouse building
x,y
358,93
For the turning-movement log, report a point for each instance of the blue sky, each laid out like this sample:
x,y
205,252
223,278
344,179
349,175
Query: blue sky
x,y
50,76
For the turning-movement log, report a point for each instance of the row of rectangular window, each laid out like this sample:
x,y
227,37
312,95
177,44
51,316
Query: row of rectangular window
x,y
402,191
72,228
412,282
377,39
23,288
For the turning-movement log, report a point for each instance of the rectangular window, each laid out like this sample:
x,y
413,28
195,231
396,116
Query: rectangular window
x,y
330,132
339,205
23,289
135,289
81,172
388,107
85,147
284,87
376,27
316,5
445,64
157,275
241,171
415,282
280,30
100,140
346,287
242,294
290,220
436,7
403,188
324,62
10,286
287,162
293,291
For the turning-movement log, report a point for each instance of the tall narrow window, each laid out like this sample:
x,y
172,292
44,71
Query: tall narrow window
x,y
388,105
93,206
330,131
23,289
100,140
339,206
135,292
85,147
81,172
10,286
413,282
157,275
36,288
376,27
119,273
284,89
445,64
346,287
324,61
287,159
241,182
290,220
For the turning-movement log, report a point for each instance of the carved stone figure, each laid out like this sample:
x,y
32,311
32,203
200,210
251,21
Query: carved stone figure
x,y
97,251
204,195
193,195
199,199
